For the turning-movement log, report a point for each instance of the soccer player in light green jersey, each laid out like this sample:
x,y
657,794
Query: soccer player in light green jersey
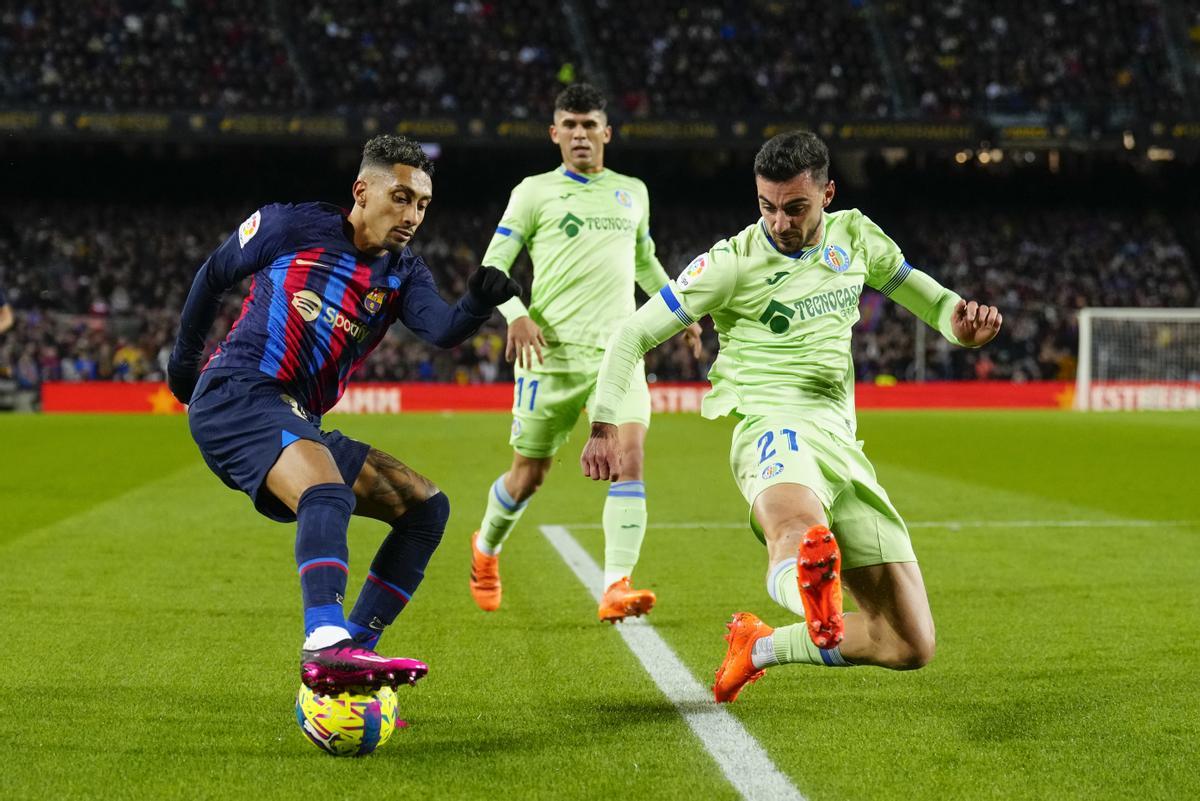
x,y
587,229
783,295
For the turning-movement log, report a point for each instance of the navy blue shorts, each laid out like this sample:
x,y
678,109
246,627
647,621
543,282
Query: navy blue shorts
x,y
243,419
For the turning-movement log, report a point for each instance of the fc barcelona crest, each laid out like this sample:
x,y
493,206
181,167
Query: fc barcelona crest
x,y
373,302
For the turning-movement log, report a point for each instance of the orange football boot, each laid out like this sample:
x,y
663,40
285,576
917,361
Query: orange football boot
x,y
738,669
621,600
485,578
818,572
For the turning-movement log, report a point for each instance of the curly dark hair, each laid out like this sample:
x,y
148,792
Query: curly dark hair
x,y
789,154
387,149
580,98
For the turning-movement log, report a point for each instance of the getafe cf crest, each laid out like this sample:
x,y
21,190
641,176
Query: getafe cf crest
x,y
772,470
835,258
624,198
373,302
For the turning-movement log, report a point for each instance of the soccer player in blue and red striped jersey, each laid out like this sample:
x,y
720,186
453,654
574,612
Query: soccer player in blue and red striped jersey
x,y
326,286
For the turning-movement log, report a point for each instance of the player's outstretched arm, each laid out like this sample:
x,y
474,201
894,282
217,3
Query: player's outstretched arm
x,y
968,324
651,325
439,323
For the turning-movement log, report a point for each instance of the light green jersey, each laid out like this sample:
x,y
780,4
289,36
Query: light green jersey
x,y
784,320
589,239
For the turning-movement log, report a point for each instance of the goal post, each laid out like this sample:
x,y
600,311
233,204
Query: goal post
x,y
1138,359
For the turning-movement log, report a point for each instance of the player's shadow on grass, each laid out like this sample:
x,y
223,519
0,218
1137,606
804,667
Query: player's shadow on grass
x,y
628,712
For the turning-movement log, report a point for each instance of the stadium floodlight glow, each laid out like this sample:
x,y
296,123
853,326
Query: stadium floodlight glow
x,y
1131,358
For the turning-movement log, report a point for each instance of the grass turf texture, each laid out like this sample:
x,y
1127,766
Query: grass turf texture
x,y
152,622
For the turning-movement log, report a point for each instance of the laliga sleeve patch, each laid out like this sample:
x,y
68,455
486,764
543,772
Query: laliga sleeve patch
x,y
249,228
692,271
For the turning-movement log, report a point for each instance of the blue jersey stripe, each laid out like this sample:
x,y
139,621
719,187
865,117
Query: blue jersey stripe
x,y
503,231
335,288
273,349
574,176
674,305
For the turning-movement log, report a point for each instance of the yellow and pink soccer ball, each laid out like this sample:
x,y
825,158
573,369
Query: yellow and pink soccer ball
x,y
349,723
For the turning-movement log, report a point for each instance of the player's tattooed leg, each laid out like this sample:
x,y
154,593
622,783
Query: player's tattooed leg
x,y
387,488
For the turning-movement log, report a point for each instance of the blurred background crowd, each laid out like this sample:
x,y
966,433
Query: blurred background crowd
x,y
97,282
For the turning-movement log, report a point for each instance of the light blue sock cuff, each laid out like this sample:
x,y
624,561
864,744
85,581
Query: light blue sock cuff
x,y
504,498
627,489
773,579
833,657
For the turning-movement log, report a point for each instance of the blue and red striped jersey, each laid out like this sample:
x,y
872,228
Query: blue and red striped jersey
x,y
317,306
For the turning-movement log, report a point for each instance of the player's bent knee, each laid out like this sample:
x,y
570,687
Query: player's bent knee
x,y
914,654
428,518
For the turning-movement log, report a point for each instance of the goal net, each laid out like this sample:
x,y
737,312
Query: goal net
x,y
1138,359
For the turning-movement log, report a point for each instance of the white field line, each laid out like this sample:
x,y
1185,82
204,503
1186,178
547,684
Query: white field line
x,y
737,754
949,524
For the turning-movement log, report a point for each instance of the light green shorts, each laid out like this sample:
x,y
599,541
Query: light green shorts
x,y
548,398
818,452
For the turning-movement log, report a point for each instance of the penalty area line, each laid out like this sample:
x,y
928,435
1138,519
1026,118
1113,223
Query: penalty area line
x,y
738,755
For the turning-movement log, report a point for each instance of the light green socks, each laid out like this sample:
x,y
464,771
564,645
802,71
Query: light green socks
x,y
502,514
783,588
794,645
791,644
624,528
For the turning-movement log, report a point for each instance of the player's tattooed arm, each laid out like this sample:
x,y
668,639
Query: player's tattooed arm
x,y
387,488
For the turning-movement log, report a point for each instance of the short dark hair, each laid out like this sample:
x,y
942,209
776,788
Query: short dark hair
x,y
387,149
580,98
789,154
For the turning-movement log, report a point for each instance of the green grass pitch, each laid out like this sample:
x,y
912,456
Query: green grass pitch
x,y
151,623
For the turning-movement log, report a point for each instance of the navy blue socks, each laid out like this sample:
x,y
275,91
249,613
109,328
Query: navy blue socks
x,y
398,568
322,516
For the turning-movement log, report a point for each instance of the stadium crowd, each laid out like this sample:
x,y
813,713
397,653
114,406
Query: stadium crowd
x,y
1056,57
741,57
101,301
1072,61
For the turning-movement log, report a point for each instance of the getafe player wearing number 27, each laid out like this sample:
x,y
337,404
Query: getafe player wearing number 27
x,y
783,295
326,287
587,229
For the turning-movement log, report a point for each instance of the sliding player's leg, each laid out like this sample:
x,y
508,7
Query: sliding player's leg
x,y
893,627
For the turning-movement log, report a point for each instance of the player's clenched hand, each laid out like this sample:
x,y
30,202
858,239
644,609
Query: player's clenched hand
x,y
181,381
524,335
691,335
600,459
491,287
975,324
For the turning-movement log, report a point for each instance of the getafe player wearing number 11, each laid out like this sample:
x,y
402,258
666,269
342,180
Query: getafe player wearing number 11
x,y
783,295
587,229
